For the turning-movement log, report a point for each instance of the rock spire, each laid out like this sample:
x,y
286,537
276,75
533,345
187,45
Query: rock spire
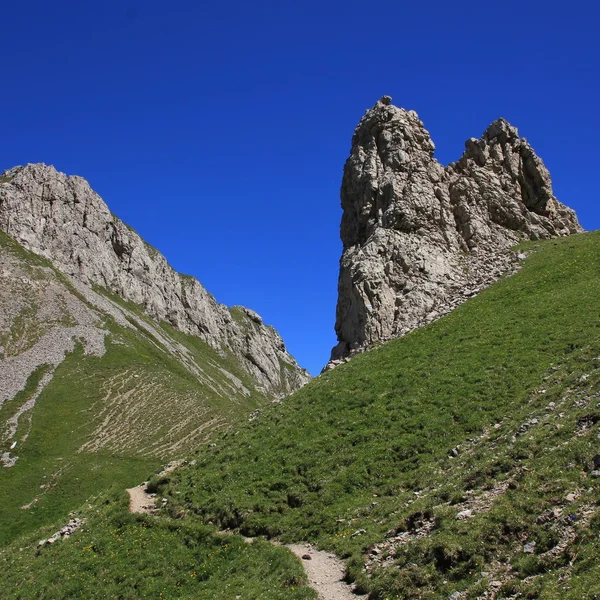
x,y
418,238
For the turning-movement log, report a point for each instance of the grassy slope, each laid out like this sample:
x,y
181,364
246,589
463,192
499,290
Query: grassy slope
x,y
51,475
360,458
360,442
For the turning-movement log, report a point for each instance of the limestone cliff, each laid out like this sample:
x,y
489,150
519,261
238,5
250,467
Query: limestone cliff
x,y
62,219
419,238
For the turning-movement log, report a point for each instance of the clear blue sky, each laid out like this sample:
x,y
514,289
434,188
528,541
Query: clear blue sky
x,y
219,130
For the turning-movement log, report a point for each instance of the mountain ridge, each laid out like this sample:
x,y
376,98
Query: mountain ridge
x,y
458,462
64,220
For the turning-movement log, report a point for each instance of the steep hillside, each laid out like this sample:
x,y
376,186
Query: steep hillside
x,y
459,461
94,388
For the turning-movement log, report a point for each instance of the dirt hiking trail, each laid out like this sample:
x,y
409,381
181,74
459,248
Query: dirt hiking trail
x,y
325,571
140,501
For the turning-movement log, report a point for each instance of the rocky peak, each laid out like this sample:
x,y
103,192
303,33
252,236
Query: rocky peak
x,y
64,220
393,151
409,225
502,130
505,184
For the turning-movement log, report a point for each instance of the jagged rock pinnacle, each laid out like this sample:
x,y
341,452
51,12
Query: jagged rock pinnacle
x,y
412,230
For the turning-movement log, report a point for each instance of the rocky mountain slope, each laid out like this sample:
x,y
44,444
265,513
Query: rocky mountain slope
x,y
110,362
62,219
418,238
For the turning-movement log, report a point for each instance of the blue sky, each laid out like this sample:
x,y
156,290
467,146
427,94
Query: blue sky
x,y
219,130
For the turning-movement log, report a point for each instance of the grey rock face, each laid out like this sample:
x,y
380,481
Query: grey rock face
x,y
418,238
500,188
64,220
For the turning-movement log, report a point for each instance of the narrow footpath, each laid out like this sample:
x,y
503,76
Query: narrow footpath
x,y
140,501
325,571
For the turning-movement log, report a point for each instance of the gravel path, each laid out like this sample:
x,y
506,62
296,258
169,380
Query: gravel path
x,y
325,573
139,499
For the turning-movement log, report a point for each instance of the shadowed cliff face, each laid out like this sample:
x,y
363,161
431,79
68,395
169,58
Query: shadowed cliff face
x,y
419,238
64,220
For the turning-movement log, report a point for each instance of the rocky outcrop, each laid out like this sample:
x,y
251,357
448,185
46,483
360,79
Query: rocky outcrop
x,y
418,238
62,219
